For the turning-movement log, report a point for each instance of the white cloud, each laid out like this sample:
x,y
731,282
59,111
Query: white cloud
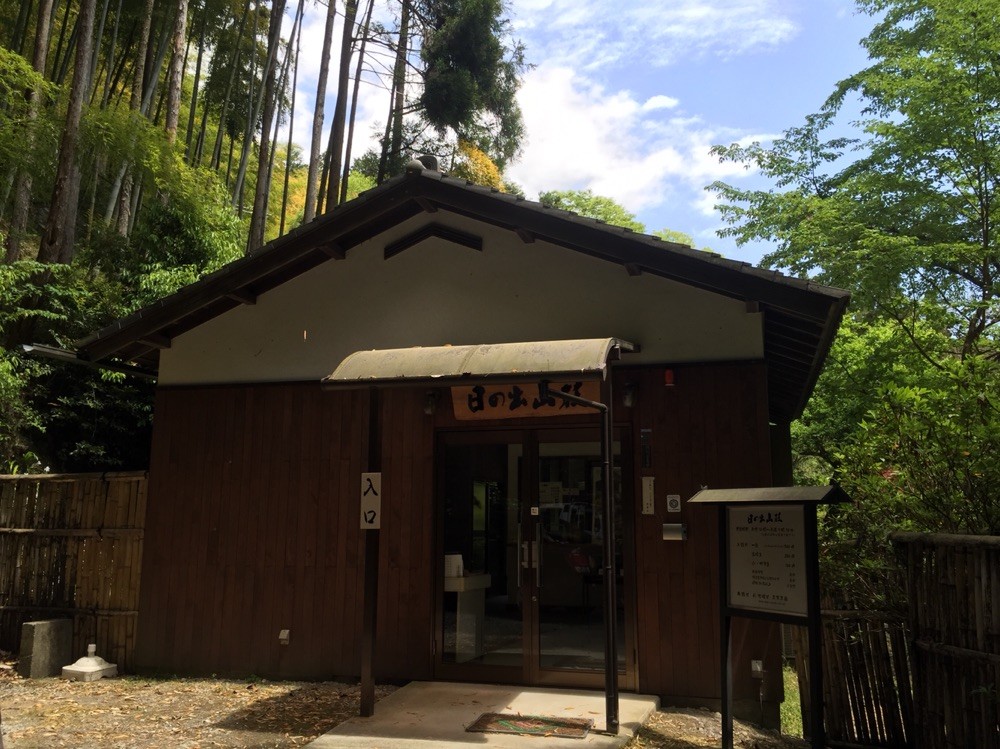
x,y
583,136
589,36
659,102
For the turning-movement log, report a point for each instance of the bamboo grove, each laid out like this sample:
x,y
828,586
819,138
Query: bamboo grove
x,y
144,143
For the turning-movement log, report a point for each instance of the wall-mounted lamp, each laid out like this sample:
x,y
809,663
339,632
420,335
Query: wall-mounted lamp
x,y
284,637
628,397
430,402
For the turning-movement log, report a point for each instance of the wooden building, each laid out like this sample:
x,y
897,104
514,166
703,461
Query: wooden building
x,y
490,543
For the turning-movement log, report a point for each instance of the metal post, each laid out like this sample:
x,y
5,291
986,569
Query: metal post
x,y
610,578
817,726
726,631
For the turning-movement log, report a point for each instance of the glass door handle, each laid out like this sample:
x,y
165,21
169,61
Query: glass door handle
x,y
538,556
522,554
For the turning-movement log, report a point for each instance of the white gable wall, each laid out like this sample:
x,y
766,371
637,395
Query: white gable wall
x,y
439,293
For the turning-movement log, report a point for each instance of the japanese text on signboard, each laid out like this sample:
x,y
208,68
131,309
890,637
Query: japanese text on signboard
x,y
496,401
767,559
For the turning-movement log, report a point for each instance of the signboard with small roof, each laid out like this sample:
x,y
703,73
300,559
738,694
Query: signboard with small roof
x,y
769,569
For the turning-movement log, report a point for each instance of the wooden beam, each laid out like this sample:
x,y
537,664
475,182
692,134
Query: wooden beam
x,y
155,340
333,249
526,236
438,231
633,269
425,204
242,296
753,305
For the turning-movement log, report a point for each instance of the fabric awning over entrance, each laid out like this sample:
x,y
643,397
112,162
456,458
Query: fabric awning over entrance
x,y
449,365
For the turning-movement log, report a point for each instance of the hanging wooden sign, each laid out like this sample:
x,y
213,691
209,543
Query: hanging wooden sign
x,y
497,401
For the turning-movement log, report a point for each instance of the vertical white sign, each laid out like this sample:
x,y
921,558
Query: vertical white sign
x,y
767,559
648,495
371,501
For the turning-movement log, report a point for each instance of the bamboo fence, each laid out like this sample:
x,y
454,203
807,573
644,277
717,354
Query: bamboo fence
x,y
953,586
867,678
71,547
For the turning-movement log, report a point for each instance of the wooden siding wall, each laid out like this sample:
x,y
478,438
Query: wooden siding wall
x,y
406,549
709,428
252,528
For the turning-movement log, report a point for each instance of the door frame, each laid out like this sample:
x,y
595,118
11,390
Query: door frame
x,y
530,671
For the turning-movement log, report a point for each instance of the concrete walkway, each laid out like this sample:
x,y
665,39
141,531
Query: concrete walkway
x,y
424,714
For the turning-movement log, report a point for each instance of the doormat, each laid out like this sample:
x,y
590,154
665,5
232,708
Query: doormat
x,y
532,725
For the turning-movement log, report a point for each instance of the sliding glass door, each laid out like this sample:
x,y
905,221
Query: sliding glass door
x,y
522,597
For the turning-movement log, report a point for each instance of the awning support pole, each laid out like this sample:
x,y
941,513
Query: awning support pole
x,y
371,539
610,576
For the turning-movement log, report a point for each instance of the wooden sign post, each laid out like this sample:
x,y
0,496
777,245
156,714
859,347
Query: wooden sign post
x,y
371,522
769,569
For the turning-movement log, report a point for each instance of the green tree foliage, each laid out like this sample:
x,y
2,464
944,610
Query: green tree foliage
x,y
586,203
471,78
71,418
51,415
909,218
235,69
905,416
17,77
677,237
468,66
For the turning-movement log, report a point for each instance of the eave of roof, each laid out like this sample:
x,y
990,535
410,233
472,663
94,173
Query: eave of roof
x,y
800,317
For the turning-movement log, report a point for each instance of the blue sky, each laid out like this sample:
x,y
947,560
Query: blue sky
x,y
627,97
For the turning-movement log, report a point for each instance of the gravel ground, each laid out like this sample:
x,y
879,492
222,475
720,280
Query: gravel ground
x,y
138,713
681,728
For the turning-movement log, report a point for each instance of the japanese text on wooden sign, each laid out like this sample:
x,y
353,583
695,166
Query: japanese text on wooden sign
x,y
767,559
496,401
371,501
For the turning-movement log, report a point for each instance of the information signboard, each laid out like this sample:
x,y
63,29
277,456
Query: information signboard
x,y
767,559
769,569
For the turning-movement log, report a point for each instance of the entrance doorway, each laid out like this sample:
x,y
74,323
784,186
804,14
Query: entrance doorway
x,y
522,590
